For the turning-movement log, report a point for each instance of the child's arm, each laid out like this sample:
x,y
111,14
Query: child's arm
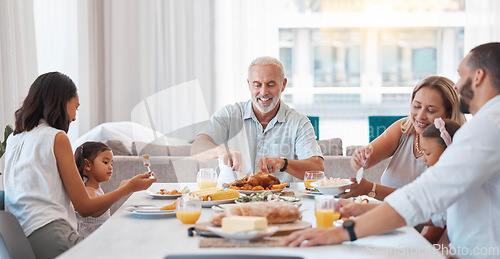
x,y
93,194
74,185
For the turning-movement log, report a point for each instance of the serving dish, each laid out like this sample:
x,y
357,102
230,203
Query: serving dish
x,y
330,190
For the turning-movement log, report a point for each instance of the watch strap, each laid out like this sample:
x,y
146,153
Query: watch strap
x,y
285,166
372,192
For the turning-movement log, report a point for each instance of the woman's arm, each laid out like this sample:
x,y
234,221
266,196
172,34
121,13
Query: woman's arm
x,y
74,184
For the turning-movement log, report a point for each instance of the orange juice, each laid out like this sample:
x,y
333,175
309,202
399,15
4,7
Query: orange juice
x,y
324,218
206,185
188,216
308,183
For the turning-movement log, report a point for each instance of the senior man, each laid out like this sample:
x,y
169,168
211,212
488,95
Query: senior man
x,y
262,134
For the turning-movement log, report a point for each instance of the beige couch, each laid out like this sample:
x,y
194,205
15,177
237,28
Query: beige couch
x,y
174,163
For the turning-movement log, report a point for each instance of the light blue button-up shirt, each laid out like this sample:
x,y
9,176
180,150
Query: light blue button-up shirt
x,y
289,134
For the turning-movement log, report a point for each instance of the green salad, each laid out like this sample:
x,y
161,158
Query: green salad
x,y
265,196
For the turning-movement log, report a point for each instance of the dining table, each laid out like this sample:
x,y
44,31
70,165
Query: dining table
x,y
130,235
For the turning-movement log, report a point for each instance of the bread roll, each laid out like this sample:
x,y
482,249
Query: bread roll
x,y
275,212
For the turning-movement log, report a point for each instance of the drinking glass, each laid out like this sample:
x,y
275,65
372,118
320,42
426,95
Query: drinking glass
x,y
206,178
188,209
312,176
326,209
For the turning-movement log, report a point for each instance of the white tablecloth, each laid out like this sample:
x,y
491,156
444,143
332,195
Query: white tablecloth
x,y
125,236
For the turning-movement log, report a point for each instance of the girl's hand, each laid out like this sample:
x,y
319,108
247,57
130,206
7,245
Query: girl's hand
x,y
316,236
352,209
360,155
141,182
364,187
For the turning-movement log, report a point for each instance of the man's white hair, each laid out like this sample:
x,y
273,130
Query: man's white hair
x,y
266,60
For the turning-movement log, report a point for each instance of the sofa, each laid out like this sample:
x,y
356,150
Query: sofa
x,y
172,163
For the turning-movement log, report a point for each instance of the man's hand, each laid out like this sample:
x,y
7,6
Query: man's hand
x,y
271,165
230,158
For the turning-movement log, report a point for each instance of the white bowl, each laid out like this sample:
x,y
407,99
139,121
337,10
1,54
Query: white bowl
x,y
330,190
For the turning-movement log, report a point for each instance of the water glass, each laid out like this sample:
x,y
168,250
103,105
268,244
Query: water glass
x,y
188,209
326,209
312,176
206,178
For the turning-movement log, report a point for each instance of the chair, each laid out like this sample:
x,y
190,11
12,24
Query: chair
x,y
378,124
315,122
2,201
14,244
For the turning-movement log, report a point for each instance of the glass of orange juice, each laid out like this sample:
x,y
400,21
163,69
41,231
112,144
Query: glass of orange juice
x,y
326,209
188,209
312,176
206,178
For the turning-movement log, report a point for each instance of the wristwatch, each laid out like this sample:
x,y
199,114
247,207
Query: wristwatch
x,y
349,226
372,193
286,164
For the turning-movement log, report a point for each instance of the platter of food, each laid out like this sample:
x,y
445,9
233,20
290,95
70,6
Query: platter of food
x,y
164,194
247,192
331,186
244,235
208,204
265,196
257,183
215,196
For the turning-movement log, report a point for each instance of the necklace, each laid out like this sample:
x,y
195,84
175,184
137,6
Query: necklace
x,y
417,145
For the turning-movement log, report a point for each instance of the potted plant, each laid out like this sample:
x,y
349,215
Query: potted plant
x,y
3,145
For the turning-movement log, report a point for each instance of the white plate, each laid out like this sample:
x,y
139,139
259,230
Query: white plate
x,y
329,190
149,211
311,194
244,235
163,196
208,204
251,192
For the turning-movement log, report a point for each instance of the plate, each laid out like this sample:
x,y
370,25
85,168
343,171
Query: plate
x,y
208,204
310,193
163,196
148,211
244,235
251,192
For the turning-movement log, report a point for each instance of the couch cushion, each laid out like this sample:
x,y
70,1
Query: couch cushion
x,y
141,148
331,147
118,148
351,149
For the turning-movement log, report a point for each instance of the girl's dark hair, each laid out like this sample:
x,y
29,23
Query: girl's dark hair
x,y
432,132
88,150
46,99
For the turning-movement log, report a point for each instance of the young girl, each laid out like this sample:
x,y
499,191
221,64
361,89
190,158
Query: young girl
x,y
94,161
42,185
435,139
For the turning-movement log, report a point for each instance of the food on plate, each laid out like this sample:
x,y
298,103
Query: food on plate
x,y
361,200
275,212
332,181
243,223
257,182
167,192
169,207
216,194
265,196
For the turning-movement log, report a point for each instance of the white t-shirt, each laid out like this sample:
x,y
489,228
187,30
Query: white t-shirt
x,y
34,191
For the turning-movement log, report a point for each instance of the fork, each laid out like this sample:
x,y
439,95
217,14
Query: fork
x,y
145,160
359,174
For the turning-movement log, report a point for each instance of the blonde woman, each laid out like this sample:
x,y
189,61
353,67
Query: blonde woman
x,y
434,97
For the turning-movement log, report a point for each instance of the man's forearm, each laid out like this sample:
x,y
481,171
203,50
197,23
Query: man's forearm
x,y
297,168
204,149
379,220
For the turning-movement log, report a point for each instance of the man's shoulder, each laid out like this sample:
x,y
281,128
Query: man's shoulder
x,y
292,115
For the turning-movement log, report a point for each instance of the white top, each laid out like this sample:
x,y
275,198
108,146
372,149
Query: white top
x,y
403,168
289,134
87,225
465,182
34,191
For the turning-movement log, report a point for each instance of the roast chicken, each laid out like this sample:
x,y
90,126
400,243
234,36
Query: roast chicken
x,y
258,181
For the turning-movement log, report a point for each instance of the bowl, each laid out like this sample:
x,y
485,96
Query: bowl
x,y
330,190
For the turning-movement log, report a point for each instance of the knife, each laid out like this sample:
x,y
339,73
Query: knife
x,y
359,174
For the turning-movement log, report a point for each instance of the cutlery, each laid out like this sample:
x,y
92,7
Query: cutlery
x,y
147,163
359,174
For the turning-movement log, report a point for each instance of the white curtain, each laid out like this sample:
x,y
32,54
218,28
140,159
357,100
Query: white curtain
x,y
482,24
18,62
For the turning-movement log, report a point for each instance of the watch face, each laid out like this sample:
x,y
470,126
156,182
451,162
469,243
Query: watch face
x,y
371,194
348,224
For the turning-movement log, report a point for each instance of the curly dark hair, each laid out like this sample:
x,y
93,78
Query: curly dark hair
x,y
88,151
47,99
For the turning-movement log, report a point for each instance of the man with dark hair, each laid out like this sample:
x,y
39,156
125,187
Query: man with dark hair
x,y
464,183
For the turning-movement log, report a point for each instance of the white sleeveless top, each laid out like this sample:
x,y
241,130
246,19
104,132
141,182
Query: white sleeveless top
x,y
87,225
34,191
403,168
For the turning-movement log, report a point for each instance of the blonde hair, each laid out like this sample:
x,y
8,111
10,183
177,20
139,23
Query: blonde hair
x,y
450,101
266,60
